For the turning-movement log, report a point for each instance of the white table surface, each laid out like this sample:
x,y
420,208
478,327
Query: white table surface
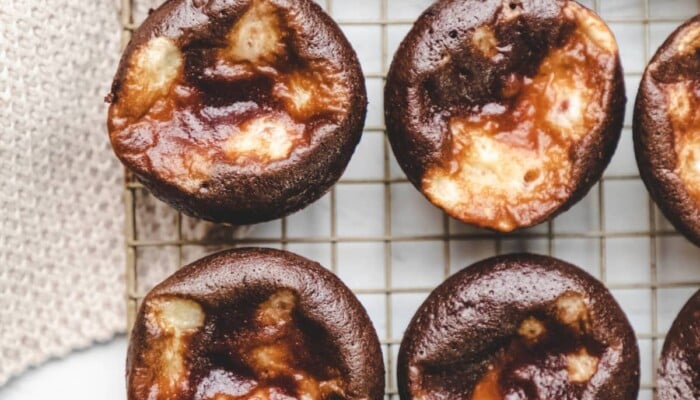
x,y
96,373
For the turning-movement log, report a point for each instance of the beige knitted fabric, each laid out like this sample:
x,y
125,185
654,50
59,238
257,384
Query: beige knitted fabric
x,y
61,212
61,209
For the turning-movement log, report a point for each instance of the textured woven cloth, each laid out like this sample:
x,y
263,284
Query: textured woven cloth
x,y
61,206
61,212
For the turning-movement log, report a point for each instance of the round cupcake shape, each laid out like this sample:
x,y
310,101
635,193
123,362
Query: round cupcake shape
x,y
519,327
679,369
505,113
237,111
667,129
253,324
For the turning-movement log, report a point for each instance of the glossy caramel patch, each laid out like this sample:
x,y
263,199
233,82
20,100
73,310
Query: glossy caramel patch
x,y
257,37
688,41
308,93
271,358
572,310
581,366
509,162
263,139
572,104
154,69
171,324
683,102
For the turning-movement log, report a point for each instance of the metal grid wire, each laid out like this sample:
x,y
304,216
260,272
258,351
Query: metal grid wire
x,y
134,193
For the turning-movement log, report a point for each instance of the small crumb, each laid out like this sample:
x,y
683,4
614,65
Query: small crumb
x,y
320,89
264,139
272,360
679,102
154,69
689,41
511,9
176,320
592,27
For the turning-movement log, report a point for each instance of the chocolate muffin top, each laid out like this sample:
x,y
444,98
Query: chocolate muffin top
x,y
519,327
237,111
679,370
667,128
253,324
505,113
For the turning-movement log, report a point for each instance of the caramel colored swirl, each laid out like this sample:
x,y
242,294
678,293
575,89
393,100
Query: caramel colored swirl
x,y
510,159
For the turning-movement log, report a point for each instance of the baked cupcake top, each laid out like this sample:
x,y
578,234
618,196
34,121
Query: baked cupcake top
x,y
237,110
504,113
252,324
679,370
519,327
667,128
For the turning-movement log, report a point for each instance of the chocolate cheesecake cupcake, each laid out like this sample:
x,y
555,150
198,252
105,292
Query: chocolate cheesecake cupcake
x,y
519,327
679,370
237,111
667,129
253,324
505,113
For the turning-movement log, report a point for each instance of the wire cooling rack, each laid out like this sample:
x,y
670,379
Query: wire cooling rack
x,y
392,248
